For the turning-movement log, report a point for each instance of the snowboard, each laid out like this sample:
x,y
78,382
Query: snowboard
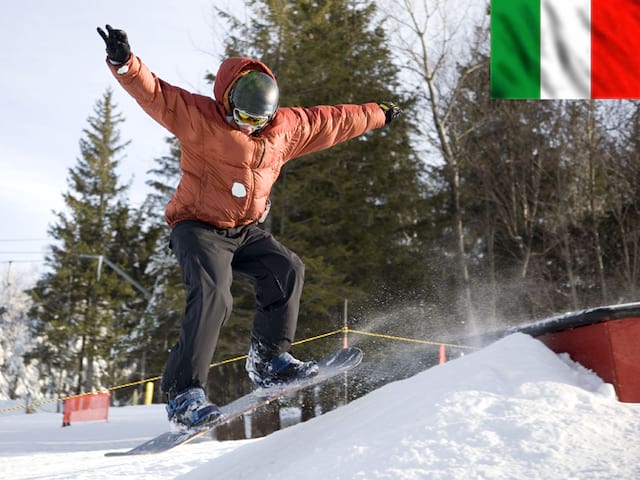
x,y
340,361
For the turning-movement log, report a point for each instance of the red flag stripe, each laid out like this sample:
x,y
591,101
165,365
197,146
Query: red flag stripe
x,y
615,49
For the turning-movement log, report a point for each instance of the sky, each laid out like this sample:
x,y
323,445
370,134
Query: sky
x,y
53,73
510,411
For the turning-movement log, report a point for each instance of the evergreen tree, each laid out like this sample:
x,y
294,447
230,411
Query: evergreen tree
x,y
16,378
168,296
353,212
83,310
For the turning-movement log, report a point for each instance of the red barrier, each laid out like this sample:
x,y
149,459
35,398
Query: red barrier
x,y
609,348
93,406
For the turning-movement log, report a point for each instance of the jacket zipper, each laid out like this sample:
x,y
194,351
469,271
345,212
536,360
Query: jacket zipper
x,y
264,150
253,183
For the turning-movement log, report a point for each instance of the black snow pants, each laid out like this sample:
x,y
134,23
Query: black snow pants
x,y
208,258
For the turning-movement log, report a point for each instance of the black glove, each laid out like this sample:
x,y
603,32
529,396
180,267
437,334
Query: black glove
x,y
118,49
391,111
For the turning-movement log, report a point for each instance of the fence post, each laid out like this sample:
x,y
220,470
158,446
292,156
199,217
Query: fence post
x,y
148,393
345,339
345,344
443,354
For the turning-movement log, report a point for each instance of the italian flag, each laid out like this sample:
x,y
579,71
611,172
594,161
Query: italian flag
x,y
574,49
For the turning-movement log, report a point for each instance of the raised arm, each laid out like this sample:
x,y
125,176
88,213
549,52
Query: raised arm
x,y
173,107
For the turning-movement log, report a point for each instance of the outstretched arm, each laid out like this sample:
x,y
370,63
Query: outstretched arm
x,y
172,107
325,126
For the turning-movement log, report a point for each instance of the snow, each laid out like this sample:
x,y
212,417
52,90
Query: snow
x,y
512,410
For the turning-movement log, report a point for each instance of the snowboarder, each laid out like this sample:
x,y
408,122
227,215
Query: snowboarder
x,y
233,148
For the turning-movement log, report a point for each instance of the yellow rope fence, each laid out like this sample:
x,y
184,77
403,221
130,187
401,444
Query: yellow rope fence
x,y
344,330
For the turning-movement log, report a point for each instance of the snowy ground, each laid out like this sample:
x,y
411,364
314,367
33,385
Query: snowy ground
x,y
513,410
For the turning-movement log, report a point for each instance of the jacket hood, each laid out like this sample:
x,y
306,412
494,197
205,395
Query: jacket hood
x,y
230,71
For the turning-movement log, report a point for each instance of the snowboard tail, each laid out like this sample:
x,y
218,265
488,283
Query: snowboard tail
x,y
341,361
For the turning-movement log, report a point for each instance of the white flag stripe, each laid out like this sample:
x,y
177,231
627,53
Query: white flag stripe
x,y
565,48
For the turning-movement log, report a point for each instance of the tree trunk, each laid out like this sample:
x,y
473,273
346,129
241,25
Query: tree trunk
x,y
566,252
591,136
80,365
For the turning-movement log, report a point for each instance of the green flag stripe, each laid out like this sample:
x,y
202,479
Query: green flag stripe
x,y
515,48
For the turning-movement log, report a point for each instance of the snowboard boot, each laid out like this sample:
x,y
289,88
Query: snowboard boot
x,y
269,370
190,409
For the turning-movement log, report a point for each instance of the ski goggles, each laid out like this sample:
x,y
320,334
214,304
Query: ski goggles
x,y
244,118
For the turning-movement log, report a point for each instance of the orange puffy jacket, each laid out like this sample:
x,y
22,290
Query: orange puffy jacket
x,y
227,175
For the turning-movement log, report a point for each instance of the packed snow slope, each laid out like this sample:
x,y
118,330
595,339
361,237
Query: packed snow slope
x,y
513,410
